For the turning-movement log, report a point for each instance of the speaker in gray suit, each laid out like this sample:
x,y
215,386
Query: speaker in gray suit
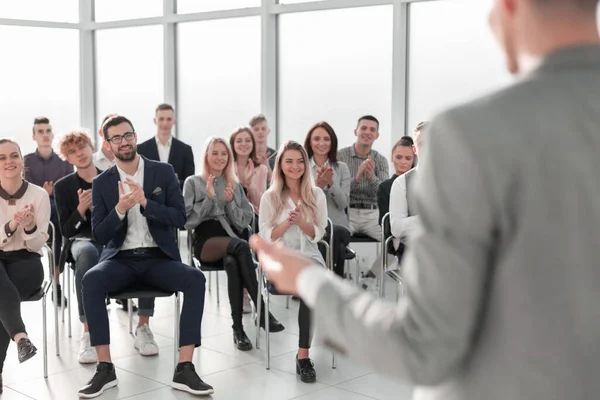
x,y
503,279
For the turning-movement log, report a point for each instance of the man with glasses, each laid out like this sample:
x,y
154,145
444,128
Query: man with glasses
x,y
137,205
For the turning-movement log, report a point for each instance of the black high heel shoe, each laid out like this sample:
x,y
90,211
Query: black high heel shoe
x,y
306,369
241,340
25,349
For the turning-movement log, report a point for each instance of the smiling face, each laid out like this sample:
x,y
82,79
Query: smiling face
x,y
242,145
320,142
126,150
292,164
11,161
217,158
366,132
403,158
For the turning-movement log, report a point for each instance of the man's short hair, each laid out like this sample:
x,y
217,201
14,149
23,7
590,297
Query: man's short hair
x,y
107,117
257,119
75,137
114,121
368,118
39,120
164,106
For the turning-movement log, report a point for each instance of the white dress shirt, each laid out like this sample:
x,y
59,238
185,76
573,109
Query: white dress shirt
x,y
294,237
138,233
403,226
164,149
101,162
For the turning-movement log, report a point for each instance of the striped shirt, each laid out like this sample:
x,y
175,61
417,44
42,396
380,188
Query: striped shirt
x,y
365,191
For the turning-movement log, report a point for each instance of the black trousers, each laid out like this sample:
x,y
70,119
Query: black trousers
x,y
341,239
21,275
58,240
305,326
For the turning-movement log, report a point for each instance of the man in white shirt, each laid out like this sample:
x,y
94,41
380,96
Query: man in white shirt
x,y
404,218
502,276
104,157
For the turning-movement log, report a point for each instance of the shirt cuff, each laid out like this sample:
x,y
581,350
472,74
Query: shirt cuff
x,y
309,283
121,216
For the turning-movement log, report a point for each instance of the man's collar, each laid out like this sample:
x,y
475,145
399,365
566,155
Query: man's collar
x,y
158,142
39,155
353,151
314,165
139,168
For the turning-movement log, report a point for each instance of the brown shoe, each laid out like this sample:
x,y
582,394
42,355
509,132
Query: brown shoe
x,y
25,349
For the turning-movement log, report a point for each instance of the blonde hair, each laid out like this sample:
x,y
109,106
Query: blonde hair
x,y
73,138
229,170
278,192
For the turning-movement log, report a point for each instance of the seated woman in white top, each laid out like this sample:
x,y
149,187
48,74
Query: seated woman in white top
x,y
24,217
251,174
219,212
294,211
333,177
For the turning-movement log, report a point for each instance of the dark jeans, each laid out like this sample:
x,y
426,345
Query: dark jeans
x,y
58,241
341,239
304,324
153,269
20,278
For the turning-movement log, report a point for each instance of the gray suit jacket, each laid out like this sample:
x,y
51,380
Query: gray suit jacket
x,y
338,195
503,282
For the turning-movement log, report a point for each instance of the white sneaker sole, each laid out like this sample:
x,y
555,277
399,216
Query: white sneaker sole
x,y
184,388
109,385
146,353
88,360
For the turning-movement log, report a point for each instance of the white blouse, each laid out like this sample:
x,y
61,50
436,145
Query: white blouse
x,y
294,237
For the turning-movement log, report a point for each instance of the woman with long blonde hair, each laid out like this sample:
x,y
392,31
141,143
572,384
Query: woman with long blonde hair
x,y
294,211
218,212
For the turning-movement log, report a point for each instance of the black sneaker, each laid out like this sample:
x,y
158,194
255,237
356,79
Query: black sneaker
x,y
104,378
187,380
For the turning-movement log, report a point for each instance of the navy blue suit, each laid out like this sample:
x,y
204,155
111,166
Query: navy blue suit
x,y
161,268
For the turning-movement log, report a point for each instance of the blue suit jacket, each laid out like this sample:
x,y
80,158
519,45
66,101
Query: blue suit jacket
x,y
165,209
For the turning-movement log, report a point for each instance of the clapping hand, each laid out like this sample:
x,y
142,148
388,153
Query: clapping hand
x,y
249,172
48,187
85,201
138,192
324,176
25,217
210,187
126,201
228,193
294,215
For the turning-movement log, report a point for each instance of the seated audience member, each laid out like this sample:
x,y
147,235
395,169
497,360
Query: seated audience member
x,y
104,157
137,206
264,154
403,158
403,212
251,174
333,177
165,148
219,213
25,215
44,167
73,196
294,212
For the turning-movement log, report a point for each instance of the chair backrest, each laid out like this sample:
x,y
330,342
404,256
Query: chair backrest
x,y
386,229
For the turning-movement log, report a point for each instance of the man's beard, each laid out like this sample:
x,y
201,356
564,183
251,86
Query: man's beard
x,y
129,157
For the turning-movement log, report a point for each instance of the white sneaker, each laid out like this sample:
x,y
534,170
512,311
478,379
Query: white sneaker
x,y
247,309
144,341
87,354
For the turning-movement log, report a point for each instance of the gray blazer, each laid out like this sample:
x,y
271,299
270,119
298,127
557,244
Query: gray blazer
x,y
338,195
503,282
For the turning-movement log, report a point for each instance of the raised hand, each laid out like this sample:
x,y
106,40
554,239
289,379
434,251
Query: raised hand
x,y
327,176
85,201
320,181
138,192
249,173
48,187
210,187
25,217
369,167
228,193
126,201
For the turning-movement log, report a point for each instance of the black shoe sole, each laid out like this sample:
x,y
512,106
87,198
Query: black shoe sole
x,y
28,355
303,378
185,388
109,385
242,346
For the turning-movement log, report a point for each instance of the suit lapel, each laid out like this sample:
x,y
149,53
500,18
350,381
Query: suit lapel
x,y
149,180
153,150
113,190
173,152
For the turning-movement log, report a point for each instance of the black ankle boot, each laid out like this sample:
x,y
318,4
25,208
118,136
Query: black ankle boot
x,y
306,369
241,339
58,296
274,325
25,349
1,387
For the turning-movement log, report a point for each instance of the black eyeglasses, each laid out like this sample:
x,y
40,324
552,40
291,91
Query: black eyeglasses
x,y
119,138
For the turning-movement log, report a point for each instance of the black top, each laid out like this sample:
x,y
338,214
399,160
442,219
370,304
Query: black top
x,y
383,196
181,157
66,198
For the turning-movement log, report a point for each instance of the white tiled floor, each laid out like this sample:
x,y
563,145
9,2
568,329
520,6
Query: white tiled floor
x,y
234,374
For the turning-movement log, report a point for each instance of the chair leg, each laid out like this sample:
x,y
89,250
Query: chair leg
x,y
130,315
209,280
268,330
69,302
55,305
333,365
258,309
45,336
287,302
218,299
62,299
176,317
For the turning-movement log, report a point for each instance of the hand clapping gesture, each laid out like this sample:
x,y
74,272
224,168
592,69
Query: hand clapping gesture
x,y
366,169
85,201
210,187
138,192
324,176
25,217
126,201
249,173
228,193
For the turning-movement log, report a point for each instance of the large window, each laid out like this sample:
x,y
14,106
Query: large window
x,y
193,6
114,10
336,66
41,10
43,80
450,60
130,75
219,78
